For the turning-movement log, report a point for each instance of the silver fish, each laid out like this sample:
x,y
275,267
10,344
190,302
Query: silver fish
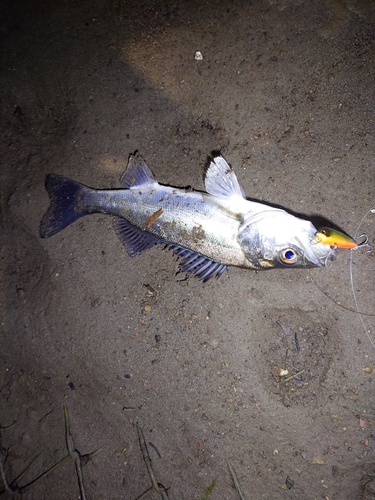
x,y
207,231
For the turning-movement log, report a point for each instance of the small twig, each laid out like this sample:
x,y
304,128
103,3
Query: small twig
x,y
145,494
16,480
3,427
235,481
146,457
74,454
13,488
22,489
7,487
163,492
293,375
86,458
46,415
154,447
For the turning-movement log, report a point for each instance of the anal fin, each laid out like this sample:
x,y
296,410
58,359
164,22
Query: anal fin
x,y
199,265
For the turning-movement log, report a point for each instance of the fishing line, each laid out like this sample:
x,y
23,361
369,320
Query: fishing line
x,y
367,332
338,303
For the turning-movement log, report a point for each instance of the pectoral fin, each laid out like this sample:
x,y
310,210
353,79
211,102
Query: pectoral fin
x,y
221,181
134,239
224,190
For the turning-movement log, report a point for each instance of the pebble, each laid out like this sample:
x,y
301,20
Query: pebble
x,y
281,372
335,471
362,423
289,482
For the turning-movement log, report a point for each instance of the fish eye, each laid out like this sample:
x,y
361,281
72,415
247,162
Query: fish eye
x,y
288,256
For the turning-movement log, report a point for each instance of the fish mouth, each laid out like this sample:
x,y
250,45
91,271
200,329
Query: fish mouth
x,y
309,255
321,255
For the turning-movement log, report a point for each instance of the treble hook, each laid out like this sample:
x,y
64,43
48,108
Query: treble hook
x,y
365,243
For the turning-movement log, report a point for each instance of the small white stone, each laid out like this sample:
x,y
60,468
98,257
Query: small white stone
x,y
281,372
198,56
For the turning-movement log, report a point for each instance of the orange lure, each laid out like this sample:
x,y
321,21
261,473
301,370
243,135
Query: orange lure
x,y
334,238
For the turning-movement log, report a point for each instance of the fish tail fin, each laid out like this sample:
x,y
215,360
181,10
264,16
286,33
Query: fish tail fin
x,y
64,209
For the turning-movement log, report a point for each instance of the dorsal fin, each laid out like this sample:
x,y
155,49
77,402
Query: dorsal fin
x,y
221,181
137,173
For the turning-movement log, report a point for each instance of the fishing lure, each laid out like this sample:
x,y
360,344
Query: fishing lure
x,y
334,238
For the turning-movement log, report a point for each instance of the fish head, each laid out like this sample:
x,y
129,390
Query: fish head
x,y
273,238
